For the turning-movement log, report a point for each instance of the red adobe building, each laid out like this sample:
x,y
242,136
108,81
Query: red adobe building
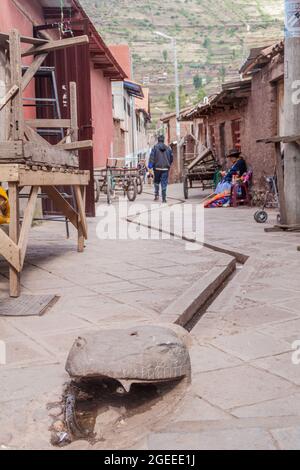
x,y
93,67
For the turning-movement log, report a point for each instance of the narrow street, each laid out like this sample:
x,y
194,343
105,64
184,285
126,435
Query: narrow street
x,y
245,389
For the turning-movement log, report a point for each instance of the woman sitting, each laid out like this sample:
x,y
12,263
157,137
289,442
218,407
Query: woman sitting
x,y
222,193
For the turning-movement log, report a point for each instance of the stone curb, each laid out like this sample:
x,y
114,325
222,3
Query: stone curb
x,y
183,309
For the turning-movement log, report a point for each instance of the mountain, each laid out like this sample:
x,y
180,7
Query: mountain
x,y
213,39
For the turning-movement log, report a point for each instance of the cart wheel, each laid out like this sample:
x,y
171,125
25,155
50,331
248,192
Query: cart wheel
x,y
131,191
261,217
97,190
139,185
186,188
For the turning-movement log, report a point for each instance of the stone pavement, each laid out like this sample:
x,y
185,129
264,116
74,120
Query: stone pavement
x,y
245,389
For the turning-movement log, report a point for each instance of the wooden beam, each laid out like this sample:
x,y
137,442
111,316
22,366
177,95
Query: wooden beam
x,y
9,173
16,80
9,95
73,112
14,274
81,211
10,150
25,39
283,139
62,204
83,144
9,250
56,45
49,155
280,181
49,123
32,135
28,177
32,70
27,222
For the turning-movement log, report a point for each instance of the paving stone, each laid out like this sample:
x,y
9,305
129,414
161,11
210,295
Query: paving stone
x,y
240,386
287,438
286,406
250,345
194,408
258,315
288,330
281,365
207,358
228,439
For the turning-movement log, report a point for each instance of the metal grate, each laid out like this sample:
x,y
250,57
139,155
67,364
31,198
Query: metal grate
x,y
27,305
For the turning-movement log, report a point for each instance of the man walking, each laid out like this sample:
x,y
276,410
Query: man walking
x,y
161,160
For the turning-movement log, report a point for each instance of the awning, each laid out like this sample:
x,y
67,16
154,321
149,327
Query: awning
x,y
134,89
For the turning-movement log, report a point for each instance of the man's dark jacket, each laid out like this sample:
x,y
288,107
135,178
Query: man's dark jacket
x,y
161,157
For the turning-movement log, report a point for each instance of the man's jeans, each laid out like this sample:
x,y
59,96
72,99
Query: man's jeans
x,y
161,177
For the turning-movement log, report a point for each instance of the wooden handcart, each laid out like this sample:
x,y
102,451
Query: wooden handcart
x,y
199,172
27,159
115,179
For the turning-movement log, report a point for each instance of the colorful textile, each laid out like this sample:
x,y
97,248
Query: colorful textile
x,y
4,207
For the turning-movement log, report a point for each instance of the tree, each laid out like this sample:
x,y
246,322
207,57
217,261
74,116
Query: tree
x,y
206,43
200,95
222,73
171,100
197,80
165,55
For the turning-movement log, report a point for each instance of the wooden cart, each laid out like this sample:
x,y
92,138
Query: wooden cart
x,y
114,179
27,159
199,172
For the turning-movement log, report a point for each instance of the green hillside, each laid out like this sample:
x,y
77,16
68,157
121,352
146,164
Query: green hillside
x,y
213,39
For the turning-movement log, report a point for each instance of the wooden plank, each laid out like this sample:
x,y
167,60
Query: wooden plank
x,y
52,178
49,123
280,182
11,150
32,70
83,144
81,211
9,250
9,173
197,160
9,95
14,275
27,222
62,204
32,135
25,39
49,155
56,45
73,112
16,79
283,139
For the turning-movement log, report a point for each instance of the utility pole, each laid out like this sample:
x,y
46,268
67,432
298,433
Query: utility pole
x,y
292,111
177,96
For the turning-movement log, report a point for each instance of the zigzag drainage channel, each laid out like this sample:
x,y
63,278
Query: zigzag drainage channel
x,y
102,413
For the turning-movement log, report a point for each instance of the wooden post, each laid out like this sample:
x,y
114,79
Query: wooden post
x,y
280,182
14,226
74,138
292,111
17,134
16,79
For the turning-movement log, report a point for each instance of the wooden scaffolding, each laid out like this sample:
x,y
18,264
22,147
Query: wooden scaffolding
x,y
27,159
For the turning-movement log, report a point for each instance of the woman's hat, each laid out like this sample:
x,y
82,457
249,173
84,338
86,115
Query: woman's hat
x,y
233,153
